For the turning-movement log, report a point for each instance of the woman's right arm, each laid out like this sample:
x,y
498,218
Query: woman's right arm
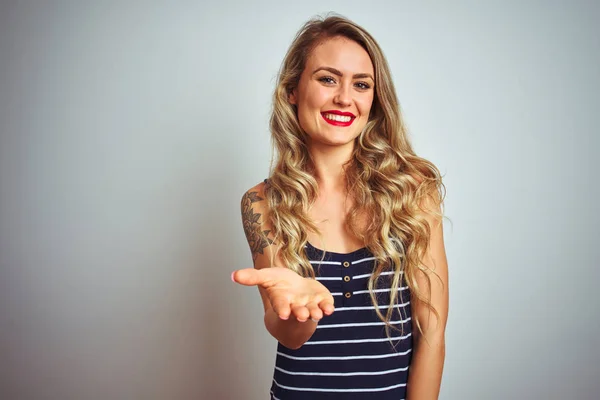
x,y
290,302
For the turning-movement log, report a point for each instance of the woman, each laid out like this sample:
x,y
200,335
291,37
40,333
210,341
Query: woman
x,y
346,234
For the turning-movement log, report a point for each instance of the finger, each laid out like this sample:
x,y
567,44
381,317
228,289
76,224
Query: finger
x,y
300,312
315,312
281,306
327,306
248,277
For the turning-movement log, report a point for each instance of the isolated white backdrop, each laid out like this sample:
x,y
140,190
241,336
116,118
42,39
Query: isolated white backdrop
x,y
130,130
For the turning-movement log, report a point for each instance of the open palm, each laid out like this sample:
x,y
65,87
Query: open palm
x,y
288,292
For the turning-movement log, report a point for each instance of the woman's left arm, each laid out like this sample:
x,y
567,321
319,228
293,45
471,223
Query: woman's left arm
x,y
429,347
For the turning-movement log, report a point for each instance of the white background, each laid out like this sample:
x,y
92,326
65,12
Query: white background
x,y
129,132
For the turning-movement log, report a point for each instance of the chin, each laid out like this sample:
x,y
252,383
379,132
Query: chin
x,y
338,141
335,138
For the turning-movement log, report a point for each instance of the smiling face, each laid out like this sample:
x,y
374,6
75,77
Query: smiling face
x,y
335,93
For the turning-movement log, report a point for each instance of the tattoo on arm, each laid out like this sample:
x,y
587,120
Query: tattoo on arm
x,y
256,239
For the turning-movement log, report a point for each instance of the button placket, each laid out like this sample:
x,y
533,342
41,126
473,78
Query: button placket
x,y
346,279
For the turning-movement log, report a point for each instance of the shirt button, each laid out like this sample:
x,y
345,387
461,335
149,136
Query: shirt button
x,y
348,295
346,278
346,264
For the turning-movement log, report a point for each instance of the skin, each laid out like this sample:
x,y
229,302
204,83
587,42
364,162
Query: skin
x,y
429,351
337,76
293,305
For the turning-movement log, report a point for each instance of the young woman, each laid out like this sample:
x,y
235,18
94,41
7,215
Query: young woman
x,y
346,234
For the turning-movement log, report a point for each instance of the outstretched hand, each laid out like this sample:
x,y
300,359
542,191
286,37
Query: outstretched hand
x,y
288,292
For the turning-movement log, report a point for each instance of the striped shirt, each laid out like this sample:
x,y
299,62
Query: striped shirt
x,y
349,356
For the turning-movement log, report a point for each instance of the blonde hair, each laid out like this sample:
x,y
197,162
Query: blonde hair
x,y
386,179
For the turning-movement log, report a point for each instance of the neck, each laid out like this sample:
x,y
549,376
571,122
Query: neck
x,y
329,162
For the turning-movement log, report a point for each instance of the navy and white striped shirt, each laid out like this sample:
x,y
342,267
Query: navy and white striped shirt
x,y
349,356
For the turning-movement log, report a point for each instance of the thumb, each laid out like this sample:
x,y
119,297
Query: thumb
x,y
247,277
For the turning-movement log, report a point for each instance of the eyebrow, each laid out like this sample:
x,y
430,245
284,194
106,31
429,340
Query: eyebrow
x,y
339,73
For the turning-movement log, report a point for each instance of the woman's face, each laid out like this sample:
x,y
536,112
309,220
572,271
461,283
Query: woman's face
x,y
335,92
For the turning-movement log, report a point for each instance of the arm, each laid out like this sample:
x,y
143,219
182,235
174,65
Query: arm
x,y
427,364
286,319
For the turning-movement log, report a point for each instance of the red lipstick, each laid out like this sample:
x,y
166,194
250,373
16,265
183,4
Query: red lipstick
x,y
341,113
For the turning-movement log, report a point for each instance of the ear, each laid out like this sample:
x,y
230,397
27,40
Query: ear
x,y
293,97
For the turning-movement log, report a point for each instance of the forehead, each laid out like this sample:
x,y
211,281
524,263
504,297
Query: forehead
x,y
342,54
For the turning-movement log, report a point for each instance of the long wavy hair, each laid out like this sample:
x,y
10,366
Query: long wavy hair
x,y
386,180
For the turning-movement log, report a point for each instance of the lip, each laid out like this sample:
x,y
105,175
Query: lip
x,y
339,123
336,112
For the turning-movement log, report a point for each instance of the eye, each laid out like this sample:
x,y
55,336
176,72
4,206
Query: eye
x,y
363,85
327,80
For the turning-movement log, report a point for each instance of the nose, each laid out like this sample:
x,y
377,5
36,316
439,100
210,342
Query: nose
x,y
343,97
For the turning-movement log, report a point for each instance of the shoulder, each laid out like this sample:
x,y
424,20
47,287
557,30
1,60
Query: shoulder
x,y
254,198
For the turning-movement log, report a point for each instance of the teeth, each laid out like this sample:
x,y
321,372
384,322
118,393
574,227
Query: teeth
x,y
339,118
